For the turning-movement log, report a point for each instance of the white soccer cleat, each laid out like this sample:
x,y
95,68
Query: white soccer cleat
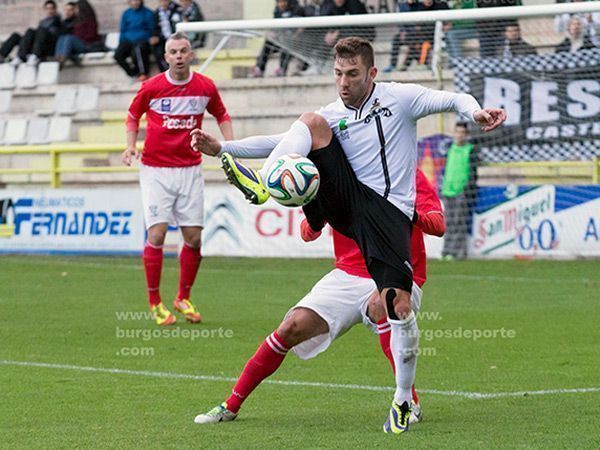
x,y
416,415
217,414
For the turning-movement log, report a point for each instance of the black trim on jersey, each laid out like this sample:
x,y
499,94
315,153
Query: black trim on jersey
x,y
386,173
366,101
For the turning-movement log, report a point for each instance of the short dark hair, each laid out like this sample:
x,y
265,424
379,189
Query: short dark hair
x,y
351,47
73,4
178,36
50,2
462,125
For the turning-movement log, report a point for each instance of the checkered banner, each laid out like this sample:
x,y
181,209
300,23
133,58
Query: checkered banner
x,y
552,103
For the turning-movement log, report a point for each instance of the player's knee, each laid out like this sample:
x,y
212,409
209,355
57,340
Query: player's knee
x,y
376,308
402,306
156,236
397,303
193,241
291,331
301,325
319,129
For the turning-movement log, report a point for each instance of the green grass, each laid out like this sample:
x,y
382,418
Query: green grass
x,y
62,310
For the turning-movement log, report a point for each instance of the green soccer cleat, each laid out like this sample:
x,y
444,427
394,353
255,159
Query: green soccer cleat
x,y
398,419
217,414
245,179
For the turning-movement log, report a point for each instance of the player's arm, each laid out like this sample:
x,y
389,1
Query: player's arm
x,y
252,147
226,130
423,102
217,109
138,107
430,217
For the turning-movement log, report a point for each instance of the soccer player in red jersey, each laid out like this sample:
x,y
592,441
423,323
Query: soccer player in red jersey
x,y
343,298
171,178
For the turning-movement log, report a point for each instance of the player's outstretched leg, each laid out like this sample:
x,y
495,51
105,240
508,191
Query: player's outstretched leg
x,y
300,325
264,363
245,179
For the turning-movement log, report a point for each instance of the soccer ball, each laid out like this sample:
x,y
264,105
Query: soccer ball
x,y
293,180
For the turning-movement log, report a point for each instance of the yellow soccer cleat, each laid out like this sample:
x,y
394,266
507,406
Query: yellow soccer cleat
x,y
398,418
188,309
245,179
162,315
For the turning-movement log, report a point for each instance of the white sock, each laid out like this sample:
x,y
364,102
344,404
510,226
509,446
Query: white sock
x,y
404,343
297,140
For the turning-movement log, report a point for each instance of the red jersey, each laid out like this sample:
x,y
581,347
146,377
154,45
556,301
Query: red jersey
x,y
173,109
430,220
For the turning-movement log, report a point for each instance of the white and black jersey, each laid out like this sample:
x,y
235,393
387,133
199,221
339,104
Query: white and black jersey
x,y
380,138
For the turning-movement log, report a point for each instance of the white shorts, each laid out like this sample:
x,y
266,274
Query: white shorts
x,y
341,300
173,195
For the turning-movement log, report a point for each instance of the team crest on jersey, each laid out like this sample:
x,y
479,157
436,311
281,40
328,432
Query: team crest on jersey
x,y
194,105
343,129
165,104
377,110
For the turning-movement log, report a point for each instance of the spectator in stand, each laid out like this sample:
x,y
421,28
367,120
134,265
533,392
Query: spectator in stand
x,y
191,12
313,39
460,30
419,38
283,9
166,16
137,23
79,33
590,23
514,45
36,44
341,8
576,39
405,35
491,32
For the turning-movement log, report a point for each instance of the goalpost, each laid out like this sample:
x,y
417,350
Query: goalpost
x,y
533,186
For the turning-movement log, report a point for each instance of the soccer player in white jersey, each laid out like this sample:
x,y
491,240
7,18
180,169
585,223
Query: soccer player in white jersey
x,y
364,146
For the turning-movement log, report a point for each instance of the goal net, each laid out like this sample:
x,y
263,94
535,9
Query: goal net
x,y
527,189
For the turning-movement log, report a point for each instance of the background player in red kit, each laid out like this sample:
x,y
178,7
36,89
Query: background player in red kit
x,y
344,297
171,178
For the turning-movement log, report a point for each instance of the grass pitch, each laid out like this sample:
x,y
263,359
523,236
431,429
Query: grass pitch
x,y
105,383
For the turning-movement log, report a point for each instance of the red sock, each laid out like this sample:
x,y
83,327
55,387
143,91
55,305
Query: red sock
x,y
414,395
384,331
189,261
153,258
265,361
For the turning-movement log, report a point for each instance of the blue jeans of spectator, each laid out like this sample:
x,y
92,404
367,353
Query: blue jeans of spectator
x,y
69,46
454,39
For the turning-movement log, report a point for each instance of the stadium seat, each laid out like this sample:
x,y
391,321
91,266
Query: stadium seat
x,y
48,73
112,41
59,129
87,98
26,76
5,99
65,100
37,131
15,131
7,76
